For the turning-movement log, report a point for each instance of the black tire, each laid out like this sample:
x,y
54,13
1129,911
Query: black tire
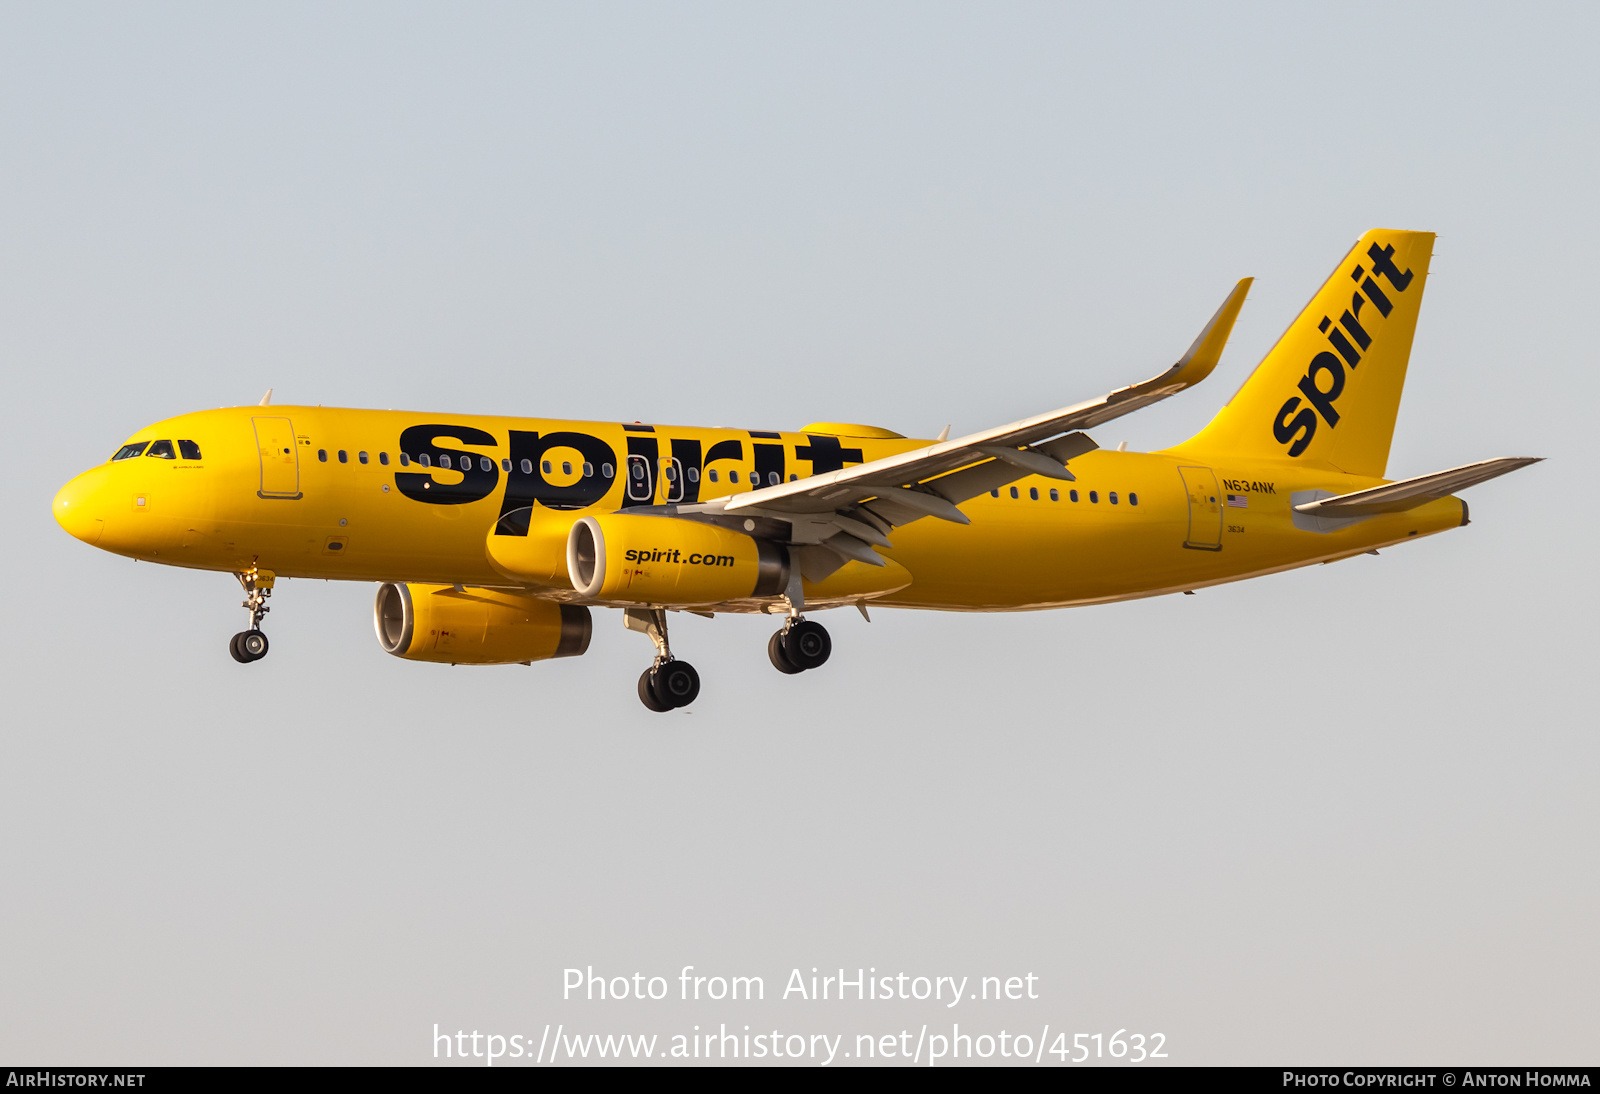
x,y
253,644
807,645
233,648
676,684
779,659
647,693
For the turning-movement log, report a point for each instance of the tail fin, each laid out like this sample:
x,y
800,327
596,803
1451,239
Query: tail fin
x,y
1328,392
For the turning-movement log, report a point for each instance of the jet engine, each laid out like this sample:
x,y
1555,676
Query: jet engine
x,y
670,561
476,626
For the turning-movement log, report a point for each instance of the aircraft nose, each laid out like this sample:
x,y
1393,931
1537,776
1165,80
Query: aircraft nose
x,y
77,506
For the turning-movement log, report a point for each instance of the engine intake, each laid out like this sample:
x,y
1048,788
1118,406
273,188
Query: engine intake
x,y
476,626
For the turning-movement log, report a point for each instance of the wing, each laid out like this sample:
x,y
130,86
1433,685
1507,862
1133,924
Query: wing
x,y
849,512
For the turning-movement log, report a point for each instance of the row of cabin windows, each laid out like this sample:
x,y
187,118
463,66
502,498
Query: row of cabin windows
x,y
464,463
161,450
1055,495
446,462
773,478
361,457
191,451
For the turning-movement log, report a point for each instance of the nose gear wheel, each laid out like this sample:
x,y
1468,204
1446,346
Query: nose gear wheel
x,y
248,646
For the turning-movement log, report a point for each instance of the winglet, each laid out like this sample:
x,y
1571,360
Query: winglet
x,y
1206,351
266,400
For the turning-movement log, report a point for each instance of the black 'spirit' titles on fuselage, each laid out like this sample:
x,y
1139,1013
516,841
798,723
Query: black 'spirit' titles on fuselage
x,y
641,471
1296,425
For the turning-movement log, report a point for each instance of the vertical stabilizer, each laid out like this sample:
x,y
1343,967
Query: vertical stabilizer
x,y
1329,391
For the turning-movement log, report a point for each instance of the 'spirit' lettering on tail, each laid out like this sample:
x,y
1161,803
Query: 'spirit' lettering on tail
x,y
1296,425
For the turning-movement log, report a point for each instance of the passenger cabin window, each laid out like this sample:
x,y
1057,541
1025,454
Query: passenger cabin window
x,y
1033,493
444,462
361,457
1013,491
566,467
545,467
1094,497
162,450
693,473
129,451
527,467
773,478
712,475
383,458
189,450
1073,494
505,465
1112,497
1133,499
405,460
322,454
995,493
424,460
606,470
588,470
344,457
1055,495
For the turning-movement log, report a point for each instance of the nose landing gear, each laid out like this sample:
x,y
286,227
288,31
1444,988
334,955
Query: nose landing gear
x,y
251,645
668,683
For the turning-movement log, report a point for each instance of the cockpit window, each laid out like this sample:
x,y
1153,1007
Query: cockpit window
x,y
162,450
189,450
129,451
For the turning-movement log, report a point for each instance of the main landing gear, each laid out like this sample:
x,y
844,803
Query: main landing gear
x,y
668,683
799,646
251,645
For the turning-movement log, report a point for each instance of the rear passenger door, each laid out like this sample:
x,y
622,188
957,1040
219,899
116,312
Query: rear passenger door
x,y
1205,509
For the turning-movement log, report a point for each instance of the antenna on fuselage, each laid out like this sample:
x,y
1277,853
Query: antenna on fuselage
x,y
266,400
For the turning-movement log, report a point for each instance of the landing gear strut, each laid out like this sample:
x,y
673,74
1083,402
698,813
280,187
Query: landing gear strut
x,y
251,645
668,682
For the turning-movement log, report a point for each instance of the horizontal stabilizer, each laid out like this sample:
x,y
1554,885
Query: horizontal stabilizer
x,y
1397,497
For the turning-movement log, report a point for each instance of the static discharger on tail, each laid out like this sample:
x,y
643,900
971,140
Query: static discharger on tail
x,y
493,538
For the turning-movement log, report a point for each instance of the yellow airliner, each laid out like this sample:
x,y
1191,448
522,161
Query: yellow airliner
x,y
492,537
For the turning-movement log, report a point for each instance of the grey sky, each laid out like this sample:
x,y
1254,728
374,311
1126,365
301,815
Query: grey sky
x,y
1343,814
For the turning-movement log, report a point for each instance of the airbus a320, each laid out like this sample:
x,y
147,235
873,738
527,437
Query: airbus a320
x,y
493,539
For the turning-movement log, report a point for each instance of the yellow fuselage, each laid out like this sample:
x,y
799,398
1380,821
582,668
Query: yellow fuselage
x,y
286,502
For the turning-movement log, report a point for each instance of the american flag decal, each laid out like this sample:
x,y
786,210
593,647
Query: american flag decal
x,y
1238,501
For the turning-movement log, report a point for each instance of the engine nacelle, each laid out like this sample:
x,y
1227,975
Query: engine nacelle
x,y
476,626
621,557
